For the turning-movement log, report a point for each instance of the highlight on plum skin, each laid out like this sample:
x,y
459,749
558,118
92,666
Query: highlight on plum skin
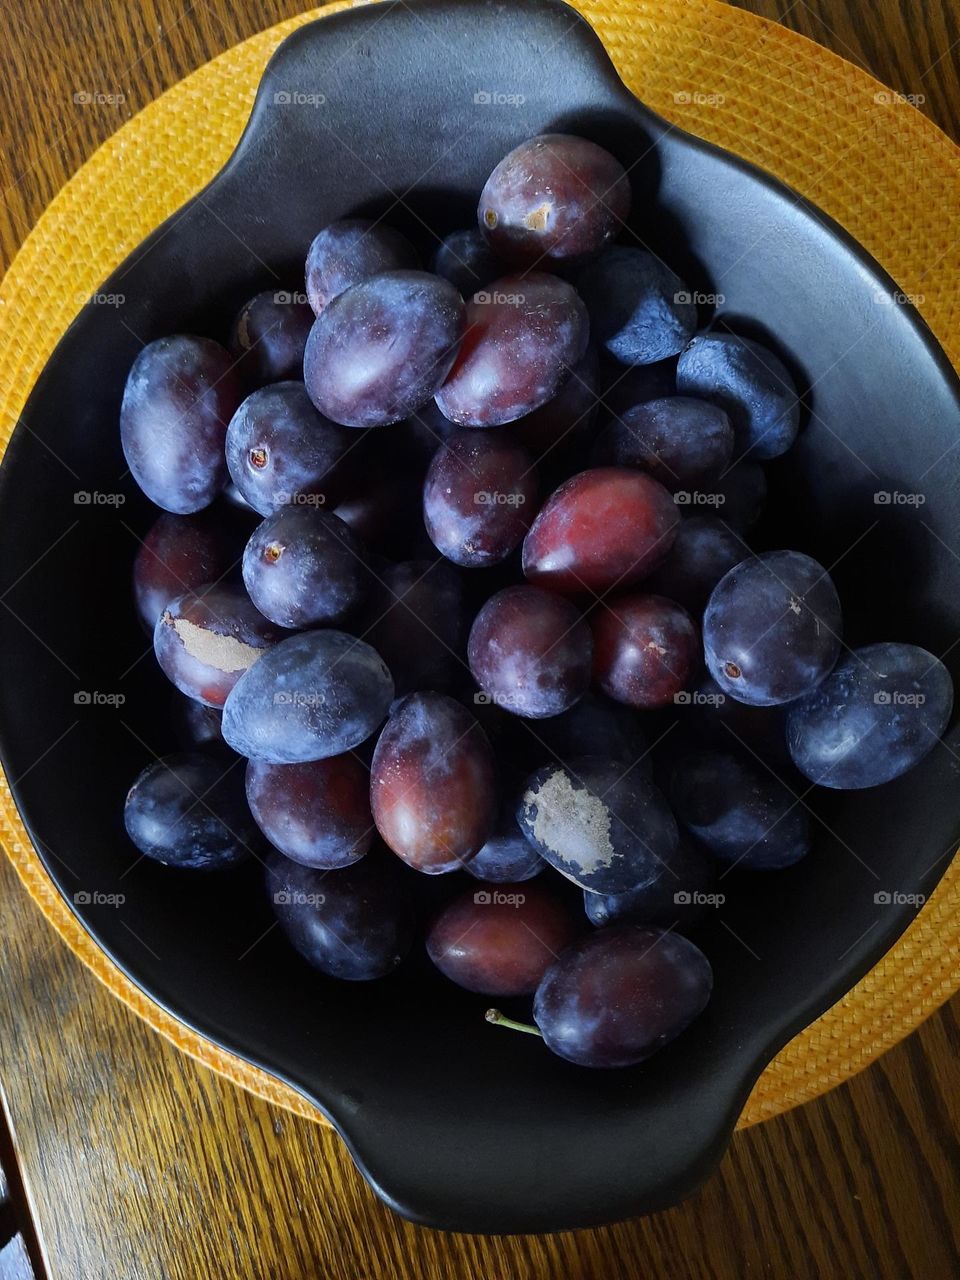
x,y
313,695
500,939
507,857
351,250
881,710
280,450
381,349
179,397
620,994
554,198
433,789
645,650
188,810
479,497
737,808
304,568
604,528
773,628
751,384
522,336
530,651
205,640
356,923
317,813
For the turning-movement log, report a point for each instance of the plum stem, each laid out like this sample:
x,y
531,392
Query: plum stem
x,y
501,1020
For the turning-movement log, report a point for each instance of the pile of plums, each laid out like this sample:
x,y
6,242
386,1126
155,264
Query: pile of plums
x,y
439,548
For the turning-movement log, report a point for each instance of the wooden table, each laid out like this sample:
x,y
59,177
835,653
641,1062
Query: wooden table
x,y
135,1164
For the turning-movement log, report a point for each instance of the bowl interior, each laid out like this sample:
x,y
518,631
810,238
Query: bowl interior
x,y
455,1122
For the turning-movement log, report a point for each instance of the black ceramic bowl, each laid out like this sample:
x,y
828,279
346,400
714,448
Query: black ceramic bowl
x,y
456,1123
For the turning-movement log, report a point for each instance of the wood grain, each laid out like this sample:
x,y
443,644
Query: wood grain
x,y
140,1165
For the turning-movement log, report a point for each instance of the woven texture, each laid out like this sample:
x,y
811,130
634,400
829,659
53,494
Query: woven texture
x,y
826,128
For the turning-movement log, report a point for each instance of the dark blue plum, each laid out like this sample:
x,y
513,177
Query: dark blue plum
x,y
467,261
507,857
640,311
685,443
752,384
346,252
772,628
704,549
618,995
419,624
316,813
281,451
604,827
741,495
269,335
721,721
739,811
189,810
595,726
878,713
681,895
303,567
317,694
621,388
180,394
355,924
197,726
381,350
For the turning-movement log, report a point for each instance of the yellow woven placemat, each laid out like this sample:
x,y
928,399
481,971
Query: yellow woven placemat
x,y
829,130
